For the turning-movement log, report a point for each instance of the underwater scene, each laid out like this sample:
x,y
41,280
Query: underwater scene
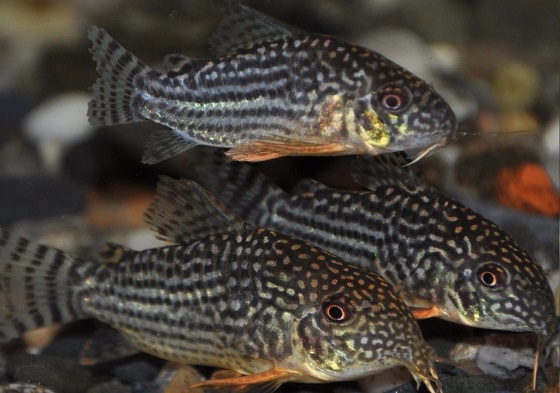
x,y
346,196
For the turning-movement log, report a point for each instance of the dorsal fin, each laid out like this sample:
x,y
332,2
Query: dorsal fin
x,y
388,169
240,186
182,211
243,27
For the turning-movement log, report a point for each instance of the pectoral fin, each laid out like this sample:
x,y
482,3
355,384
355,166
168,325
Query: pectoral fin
x,y
421,308
424,313
267,149
265,382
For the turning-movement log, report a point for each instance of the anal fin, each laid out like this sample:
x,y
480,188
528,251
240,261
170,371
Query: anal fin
x,y
164,144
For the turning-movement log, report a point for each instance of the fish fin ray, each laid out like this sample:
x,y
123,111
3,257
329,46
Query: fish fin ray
x,y
425,313
106,345
183,211
242,27
113,91
421,308
269,148
240,186
43,276
265,382
388,169
164,144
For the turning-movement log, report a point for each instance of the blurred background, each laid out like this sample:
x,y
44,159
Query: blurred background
x,y
74,186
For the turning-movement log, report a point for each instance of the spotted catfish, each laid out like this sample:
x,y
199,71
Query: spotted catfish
x,y
272,90
268,307
447,260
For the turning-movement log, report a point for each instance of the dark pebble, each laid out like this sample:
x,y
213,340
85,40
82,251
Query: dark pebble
x,y
111,154
37,197
14,106
71,340
136,369
58,374
113,387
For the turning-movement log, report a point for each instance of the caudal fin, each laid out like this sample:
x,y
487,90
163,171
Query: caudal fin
x,y
37,285
239,186
113,91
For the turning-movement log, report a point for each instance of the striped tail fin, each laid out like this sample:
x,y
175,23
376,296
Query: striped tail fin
x,y
113,93
37,285
239,186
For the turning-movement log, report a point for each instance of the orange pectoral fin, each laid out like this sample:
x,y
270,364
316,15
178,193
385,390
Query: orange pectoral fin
x,y
265,382
267,149
420,307
424,313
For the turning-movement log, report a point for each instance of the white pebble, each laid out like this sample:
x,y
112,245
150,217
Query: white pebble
x,y
56,123
550,144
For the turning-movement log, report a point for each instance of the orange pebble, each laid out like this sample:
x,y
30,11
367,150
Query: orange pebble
x,y
528,188
118,206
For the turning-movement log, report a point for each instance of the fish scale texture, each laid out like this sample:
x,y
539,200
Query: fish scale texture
x,y
445,259
272,90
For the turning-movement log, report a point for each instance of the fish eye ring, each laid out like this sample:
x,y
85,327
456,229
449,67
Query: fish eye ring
x,y
492,276
394,98
338,308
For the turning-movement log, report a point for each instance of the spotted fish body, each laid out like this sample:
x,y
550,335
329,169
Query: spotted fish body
x,y
447,260
271,91
269,307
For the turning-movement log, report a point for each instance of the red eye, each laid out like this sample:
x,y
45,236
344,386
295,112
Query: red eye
x,y
492,276
394,98
338,308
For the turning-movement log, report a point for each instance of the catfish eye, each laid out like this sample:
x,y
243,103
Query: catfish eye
x,y
492,276
394,98
338,308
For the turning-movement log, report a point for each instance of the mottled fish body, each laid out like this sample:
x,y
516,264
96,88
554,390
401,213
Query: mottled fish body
x,y
272,90
268,307
447,260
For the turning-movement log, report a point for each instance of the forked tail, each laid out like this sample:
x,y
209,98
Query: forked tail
x,y
113,92
38,285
